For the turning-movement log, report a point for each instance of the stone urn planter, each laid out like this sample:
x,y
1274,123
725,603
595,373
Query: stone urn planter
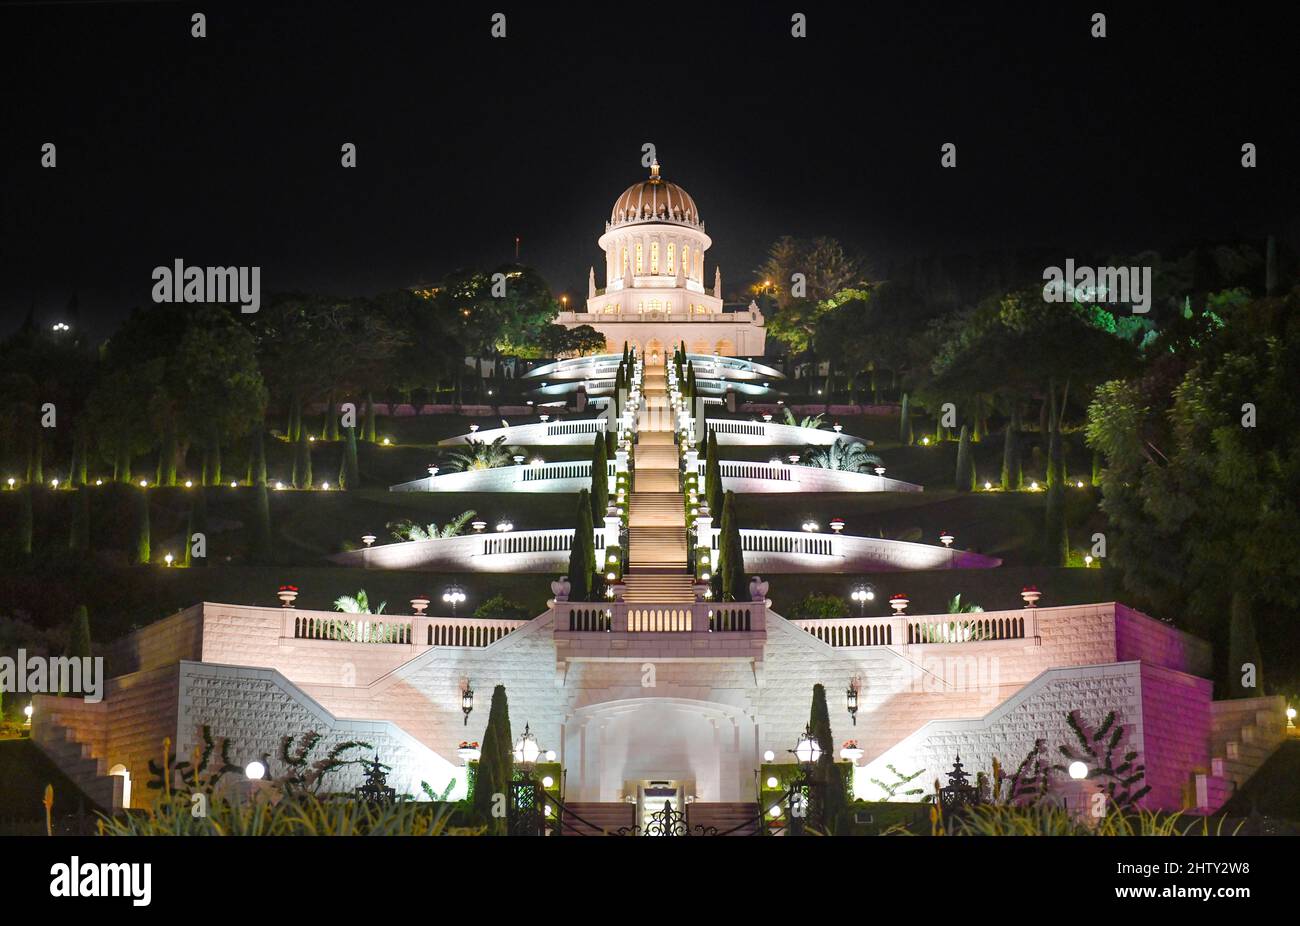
x,y
758,589
560,588
469,752
288,594
1030,594
899,603
851,753
420,604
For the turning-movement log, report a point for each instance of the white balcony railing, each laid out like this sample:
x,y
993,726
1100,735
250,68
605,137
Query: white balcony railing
x,y
636,618
914,630
414,631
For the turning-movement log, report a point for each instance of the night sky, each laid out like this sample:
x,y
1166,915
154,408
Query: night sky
x,y
225,150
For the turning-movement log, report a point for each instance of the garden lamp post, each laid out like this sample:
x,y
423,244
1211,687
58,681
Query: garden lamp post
x,y
525,809
803,799
466,701
454,595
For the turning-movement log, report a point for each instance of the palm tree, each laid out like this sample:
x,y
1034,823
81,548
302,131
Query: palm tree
x,y
955,606
358,605
481,455
409,530
808,421
848,456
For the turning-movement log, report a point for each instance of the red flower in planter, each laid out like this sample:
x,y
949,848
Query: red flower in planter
x,y
288,588
897,596
1030,588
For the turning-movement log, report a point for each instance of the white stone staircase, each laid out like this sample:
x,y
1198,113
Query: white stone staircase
x,y
1245,733
76,760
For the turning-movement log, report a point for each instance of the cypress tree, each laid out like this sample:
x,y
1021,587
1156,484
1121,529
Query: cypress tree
x,y
599,479
295,417
713,477
1057,544
349,476
826,774
732,561
79,539
496,764
368,426
1012,477
905,435
142,551
79,634
1243,648
582,555
1096,467
185,538
214,460
257,475
36,462
25,519
167,454
302,462
122,468
965,478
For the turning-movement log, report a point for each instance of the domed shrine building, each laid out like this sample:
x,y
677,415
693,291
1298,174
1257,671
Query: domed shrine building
x,y
654,296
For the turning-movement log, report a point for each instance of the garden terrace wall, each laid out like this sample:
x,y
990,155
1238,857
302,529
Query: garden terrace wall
x,y
800,551
571,476
744,476
507,551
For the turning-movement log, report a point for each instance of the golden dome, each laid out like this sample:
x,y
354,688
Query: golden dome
x,y
654,200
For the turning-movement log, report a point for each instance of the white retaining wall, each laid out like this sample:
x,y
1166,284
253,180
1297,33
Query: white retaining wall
x,y
510,551
546,477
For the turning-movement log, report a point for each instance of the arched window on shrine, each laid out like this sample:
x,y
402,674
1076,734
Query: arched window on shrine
x,y
686,259
639,265
672,266
654,258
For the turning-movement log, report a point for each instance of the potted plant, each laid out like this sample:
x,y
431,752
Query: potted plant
x,y
420,604
851,751
287,595
899,602
1030,594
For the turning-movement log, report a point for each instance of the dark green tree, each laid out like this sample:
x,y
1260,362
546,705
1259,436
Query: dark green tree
x,y
599,479
829,790
1012,474
302,461
142,549
905,435
496,765
732,561
965,477
369,429
1245,661
713,476
582,555
349,476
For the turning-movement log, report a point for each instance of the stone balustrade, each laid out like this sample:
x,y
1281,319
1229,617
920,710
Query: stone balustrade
x,y
417,632
507,551
915,630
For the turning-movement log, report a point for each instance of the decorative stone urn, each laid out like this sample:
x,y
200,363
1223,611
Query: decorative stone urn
x,y
560,588
851,754
899,603
757,589
1030,594
420,604
469,752
287,595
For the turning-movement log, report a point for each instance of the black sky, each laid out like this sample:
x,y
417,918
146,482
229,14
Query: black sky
x,y
225,150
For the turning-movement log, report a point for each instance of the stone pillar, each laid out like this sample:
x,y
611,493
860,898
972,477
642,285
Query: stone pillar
x,y
704,527
692,461
612,524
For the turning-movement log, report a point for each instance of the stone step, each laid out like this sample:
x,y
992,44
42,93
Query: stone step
x,y
596,816
724,817
657,480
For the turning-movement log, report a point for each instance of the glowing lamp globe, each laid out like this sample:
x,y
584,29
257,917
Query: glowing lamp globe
x,y
526,749
806,749
1078,771
771,781
254,771
769,756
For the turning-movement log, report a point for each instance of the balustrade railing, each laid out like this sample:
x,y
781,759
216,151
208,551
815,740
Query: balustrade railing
x,y
909,630
741,470
628,617
385,629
